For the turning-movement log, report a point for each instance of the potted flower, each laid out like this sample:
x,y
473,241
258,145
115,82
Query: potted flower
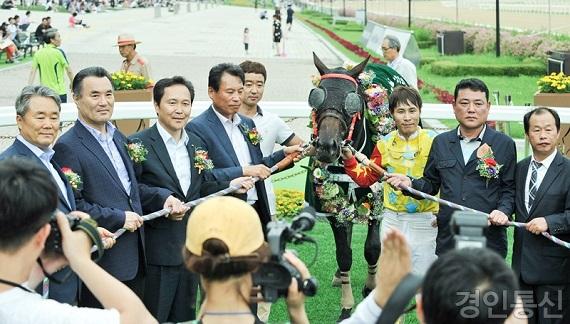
x,y
131,87
554,91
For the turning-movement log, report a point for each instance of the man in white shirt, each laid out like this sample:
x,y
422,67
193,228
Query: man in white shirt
x,y
172,163
28,200
273,129
391,51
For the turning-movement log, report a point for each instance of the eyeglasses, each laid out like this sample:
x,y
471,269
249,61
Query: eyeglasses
x,y
384,49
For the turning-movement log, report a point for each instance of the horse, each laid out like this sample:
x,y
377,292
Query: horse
x,y
338,119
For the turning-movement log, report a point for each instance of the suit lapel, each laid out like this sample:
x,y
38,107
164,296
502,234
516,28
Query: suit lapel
x,y
251,148
521,181
69,190
550,176
222,136
121,147
161,152
93,146
194,176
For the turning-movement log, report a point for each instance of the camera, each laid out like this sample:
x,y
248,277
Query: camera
x,y
274,277
53,245
468,229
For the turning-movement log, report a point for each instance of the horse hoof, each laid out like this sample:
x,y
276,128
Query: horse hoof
x,y
365,291
344,314
336,281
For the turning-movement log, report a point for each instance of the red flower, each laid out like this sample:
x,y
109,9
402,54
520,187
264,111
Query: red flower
x,y
65,169
490,162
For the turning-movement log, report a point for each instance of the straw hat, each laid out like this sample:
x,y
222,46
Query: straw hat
x,y
126,39
228,219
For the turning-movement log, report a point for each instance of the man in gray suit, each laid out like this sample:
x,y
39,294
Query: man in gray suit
x,y
457,168
543,203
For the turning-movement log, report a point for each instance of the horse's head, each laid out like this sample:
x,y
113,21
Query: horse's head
x,y
335,102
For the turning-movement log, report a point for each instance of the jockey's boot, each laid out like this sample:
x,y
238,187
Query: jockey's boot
x,y
336,281
370,283
346,298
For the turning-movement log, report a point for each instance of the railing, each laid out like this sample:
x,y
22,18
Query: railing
x,y
285,109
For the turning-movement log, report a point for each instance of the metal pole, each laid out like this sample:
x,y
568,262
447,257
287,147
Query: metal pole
x,y
549,18
331,8
344,8
456,11
498,33
410,13
365,12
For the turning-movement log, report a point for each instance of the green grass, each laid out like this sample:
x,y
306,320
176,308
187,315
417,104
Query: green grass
x,y
4,65
250,3
40,8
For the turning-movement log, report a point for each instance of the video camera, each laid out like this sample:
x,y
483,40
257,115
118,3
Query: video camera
x,y
274,277
468,229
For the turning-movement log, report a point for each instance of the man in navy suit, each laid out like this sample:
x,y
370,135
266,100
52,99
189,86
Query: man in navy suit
x,y
37,116
96,151
451,168
171,163
231,139
543,203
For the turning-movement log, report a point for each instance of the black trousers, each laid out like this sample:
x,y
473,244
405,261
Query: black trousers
x,y
546,304
171,293
87,299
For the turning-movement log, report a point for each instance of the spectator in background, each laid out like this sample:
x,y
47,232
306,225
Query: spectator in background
x,y
133,62
52,62
6,45
25,21
290,13
7,4
41,30
277,33
246,40
12,30
74,21
391,51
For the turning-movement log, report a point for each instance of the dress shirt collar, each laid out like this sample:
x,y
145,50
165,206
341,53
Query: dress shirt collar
x,y
236,121
546,162
166,137
259,111
396,61
44,155
467,140
97,134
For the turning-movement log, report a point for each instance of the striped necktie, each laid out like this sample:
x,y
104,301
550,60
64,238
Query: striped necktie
x,y
532,187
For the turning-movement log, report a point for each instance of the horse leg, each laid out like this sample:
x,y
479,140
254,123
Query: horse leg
x,y
371,254
342,237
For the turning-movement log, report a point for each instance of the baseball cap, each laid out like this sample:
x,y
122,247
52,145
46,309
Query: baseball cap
x,y
228,219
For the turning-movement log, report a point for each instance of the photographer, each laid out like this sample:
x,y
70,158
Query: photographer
x,y
225,245
28,199
465,286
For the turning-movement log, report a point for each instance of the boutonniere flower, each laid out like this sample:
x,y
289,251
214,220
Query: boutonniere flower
x,y
487,166
202,161
137,152
73,178
252,134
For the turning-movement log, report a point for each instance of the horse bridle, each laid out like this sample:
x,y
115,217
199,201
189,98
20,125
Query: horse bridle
x,y
355,117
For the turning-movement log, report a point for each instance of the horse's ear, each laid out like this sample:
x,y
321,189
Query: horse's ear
x,y
321,67
355,71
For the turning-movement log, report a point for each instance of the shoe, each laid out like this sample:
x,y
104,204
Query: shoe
x,y
336,281
344,314
365,291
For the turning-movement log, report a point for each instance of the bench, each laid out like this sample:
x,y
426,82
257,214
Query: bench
x,y
30,44
344,19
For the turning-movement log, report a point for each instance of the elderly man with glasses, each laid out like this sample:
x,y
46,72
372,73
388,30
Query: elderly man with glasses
x,y
391,52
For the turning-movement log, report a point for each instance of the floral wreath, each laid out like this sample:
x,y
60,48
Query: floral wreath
x,y
334,200
332,197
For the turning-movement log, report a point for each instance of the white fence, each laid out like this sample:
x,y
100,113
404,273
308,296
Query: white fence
x,y
285,109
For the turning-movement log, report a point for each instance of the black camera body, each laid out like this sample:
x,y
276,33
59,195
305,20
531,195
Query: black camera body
x,y
274,277
53,245
468,229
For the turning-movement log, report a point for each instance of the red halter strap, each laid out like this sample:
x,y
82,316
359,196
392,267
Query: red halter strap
x,y
351,129
339,76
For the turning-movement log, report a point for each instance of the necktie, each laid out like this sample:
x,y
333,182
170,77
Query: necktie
x,y
532,187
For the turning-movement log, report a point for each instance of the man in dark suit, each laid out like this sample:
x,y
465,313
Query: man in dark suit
x,y
109,190
171,164
37,116
452,168
543,203
231,139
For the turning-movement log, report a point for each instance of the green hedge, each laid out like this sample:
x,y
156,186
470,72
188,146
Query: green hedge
x,y
447,68
426,43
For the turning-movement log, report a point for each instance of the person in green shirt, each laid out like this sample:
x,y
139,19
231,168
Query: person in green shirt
x,y
52,63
